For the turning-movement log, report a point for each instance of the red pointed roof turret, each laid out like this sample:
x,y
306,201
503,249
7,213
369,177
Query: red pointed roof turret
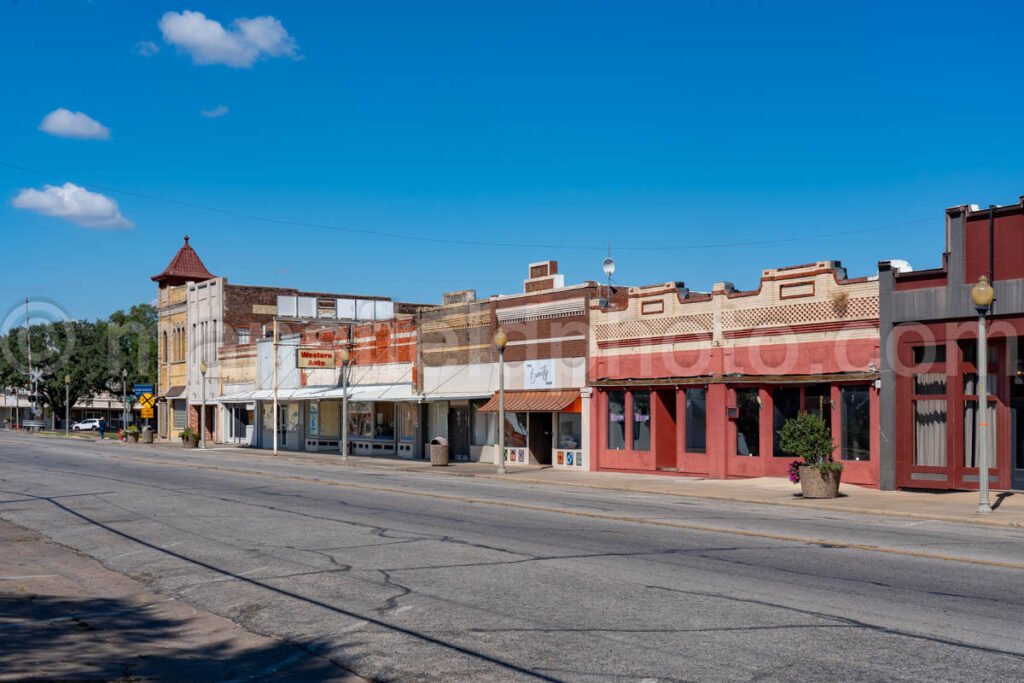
x,y
186,266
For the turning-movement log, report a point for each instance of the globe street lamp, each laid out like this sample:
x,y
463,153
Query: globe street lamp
x,y
67,404
343,355
202,414
500,342
983,295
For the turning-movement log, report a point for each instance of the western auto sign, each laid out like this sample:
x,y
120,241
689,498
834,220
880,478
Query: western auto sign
x,y
315,358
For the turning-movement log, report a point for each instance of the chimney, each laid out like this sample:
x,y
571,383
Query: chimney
x,y
543,275
463,296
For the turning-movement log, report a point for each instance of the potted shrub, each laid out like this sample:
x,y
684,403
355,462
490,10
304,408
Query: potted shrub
x,y
133,433
809,438
189,437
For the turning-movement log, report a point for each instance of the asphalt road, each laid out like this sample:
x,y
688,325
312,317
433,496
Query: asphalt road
x,y
406,576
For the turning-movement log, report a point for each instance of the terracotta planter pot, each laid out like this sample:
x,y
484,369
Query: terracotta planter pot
x,y
815,483
134,438
189,443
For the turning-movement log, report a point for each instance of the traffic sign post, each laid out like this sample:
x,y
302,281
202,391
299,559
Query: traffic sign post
x,y
147,401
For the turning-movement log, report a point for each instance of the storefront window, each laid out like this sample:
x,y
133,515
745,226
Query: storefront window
x,y
407,421
785,406
485,425
384,426
818,401
330,418
515,430
748,423
314,417
616,420
930,433
360,419
570,430
641,420
971,432
696,420
856,416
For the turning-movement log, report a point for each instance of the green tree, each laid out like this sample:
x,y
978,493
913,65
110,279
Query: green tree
x,y
132,345
91,354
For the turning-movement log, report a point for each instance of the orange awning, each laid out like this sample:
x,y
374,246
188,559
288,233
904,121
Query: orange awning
x,y
534,401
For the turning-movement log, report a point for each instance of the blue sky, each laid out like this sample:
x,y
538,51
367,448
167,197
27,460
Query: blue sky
x,y
667,128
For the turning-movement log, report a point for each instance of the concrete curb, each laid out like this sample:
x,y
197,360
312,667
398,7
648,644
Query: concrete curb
x,y
524,477
794,503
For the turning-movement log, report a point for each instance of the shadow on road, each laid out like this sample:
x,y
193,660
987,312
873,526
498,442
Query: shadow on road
x,y
43,637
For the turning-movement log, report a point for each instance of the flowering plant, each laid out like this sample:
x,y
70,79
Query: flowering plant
x,y
794,471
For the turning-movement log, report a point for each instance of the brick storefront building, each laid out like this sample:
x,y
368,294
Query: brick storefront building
x,y
930,412
546,400
700,383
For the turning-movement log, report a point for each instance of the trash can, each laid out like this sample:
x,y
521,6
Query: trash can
x,y
439,451
147,434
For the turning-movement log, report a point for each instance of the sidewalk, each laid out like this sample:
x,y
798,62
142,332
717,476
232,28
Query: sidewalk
x,y
64,616
950,506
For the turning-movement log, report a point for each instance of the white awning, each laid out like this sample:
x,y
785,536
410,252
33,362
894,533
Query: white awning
x,y
375,392
357,392
300,394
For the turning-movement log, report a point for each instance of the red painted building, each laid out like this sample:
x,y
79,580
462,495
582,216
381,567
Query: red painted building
x,y
699,383
929,329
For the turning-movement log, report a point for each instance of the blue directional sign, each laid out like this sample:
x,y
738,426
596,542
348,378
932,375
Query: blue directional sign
x,y
141,389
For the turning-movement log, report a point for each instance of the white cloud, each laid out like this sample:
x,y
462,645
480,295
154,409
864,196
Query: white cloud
x,y
73,124
208,42
73,203
215,112
146,48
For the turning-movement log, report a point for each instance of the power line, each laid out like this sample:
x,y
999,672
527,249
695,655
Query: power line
x,y
476,243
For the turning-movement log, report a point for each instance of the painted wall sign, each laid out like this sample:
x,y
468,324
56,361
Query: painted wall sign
x,y
539,374
315,358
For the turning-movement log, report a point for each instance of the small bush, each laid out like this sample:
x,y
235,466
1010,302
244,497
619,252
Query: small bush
x,y
808,437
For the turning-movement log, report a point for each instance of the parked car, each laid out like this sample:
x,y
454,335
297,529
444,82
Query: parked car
x,y
90,425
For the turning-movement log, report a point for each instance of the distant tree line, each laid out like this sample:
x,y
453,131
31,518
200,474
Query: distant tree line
x,y
92,354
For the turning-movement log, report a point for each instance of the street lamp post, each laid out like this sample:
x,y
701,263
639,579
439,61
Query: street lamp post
x,y
344,356
608,266
983,295
501,341
67,404
124,399
202,408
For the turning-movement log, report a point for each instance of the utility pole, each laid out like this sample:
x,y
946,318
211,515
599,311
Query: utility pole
x,y
275,385
28,345
344,353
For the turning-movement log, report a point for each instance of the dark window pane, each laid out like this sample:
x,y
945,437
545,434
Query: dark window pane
x,y
696,420
641,420
616,420
930,384
856,416
929,354
786,402
818,400
748,423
